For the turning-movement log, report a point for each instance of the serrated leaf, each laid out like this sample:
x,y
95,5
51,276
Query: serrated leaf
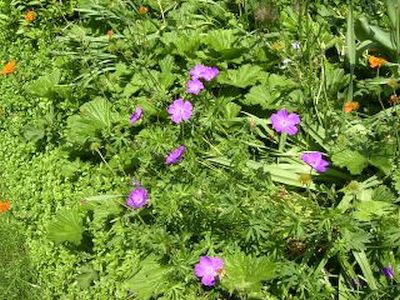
x,y
246,75
245,274
221,40
261,95
66,227
148,280
94,117
354,161
383,193
368,210
86,277
45,86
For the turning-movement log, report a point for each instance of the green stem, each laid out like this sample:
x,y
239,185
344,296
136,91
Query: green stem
x,y
282,141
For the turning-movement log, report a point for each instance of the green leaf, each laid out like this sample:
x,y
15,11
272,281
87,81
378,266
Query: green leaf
x,y
383,193
221,40
364,31
368,210
352,160
350,38
261,95
66,227
148,280
245,274
86,276
246,75
45,86
94,117
362,261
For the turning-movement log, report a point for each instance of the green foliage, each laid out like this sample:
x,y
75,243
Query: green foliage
x,y
240,191
148,280
245,275
95,118
66,227
16,276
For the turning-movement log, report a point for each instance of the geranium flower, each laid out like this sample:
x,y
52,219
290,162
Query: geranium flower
x,y
137,198
376,62
351,106
5,206
180,110
203,72
209,269
315,160
175,155
9,67
136,116
388,272
194,86
283,122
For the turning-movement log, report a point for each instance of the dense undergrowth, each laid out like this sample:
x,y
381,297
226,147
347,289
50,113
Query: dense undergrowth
x,y
71,152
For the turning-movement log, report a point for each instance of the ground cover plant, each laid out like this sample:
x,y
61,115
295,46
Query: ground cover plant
x,y
199,149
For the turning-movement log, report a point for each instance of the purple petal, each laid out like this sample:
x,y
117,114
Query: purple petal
x,y
175,155
208,280
217,263
283,122
180,110
194,86
137,198
136,116
197,71
315,160
388,272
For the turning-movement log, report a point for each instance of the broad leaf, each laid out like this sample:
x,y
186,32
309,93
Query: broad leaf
x,y
148,280
66,227
242,77
94,117
245,274
352,160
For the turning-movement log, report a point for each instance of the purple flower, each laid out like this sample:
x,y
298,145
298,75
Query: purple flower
x,y
388,272
315,160
210,73
137,198
203,72
180,110
175,155
283,122
136,116
194,86
209,269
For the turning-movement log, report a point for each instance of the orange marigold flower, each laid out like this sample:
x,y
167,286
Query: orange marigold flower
x,y
9,67
394,99
350,106
5,206
376,62
110,34
143,10
30,16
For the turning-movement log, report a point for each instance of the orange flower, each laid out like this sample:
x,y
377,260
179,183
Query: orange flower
x,y
376,62
394,99
350,106
4,206
143,10
110,34
30,16
9,67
